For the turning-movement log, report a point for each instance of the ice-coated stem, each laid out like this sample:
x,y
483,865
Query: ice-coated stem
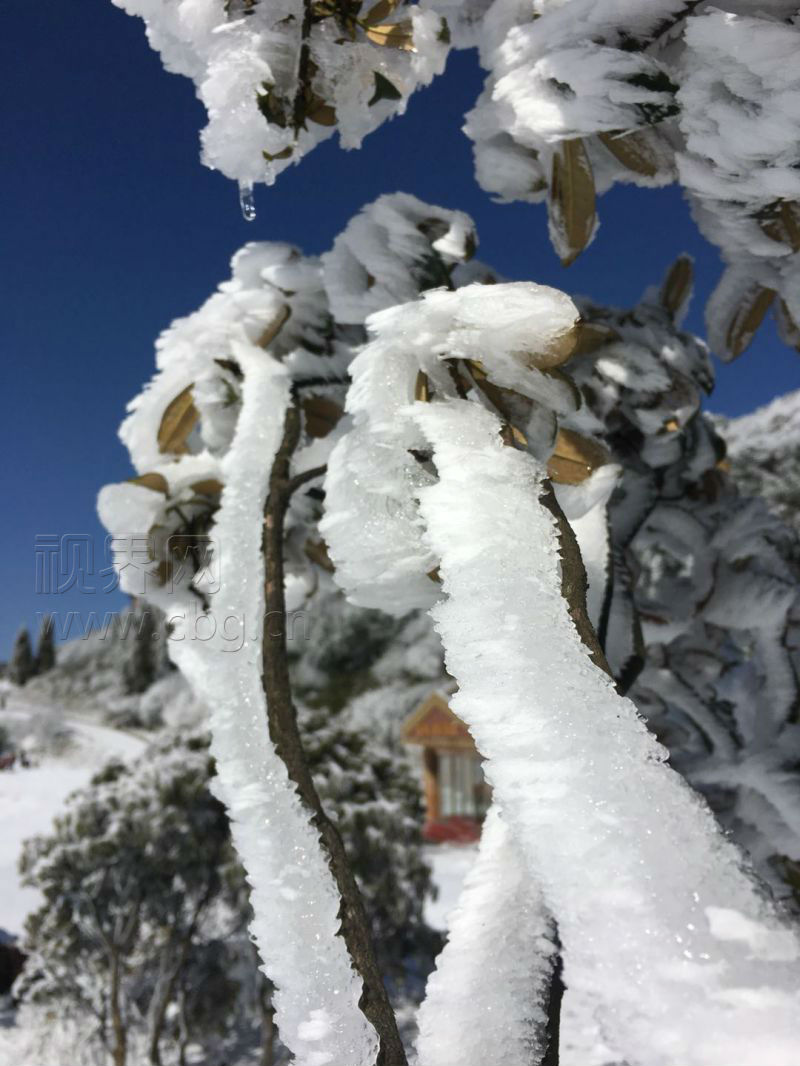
x,y
288,745
297,906
668,944
495,994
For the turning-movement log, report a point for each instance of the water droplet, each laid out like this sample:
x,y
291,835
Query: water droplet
x,y
246,201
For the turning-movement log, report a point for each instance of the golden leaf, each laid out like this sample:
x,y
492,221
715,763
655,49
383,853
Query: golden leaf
x,y
209,487
380,11
575,458
422,391
177,423
393,35
156,482
747,317
672,425
780,222
317,552
571,204
274,328
676,285
633,150
787,327
321,415
591,336
513,437
321,113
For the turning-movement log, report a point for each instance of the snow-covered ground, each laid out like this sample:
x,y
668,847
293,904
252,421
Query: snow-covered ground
x,y
450,864
30,798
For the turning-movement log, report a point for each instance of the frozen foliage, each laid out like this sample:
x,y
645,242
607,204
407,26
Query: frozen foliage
x,y
374,534
561,746
700,617
462,401
579,94
764,454
202,437
277,78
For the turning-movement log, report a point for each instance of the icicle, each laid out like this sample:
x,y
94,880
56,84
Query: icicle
x,y
246,201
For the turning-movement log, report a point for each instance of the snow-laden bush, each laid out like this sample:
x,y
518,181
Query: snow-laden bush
x,y
487,427
579,95
140,943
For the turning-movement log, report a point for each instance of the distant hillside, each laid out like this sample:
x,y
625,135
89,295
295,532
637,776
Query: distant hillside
x,y
764,453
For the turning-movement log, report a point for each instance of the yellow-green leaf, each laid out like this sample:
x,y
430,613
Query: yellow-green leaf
x,y
591,336
156,482
208,487
274,328
393,35
633,150
780,222
575,458
677,285
380,11
321,415
422,390
747,317
571,204
177,423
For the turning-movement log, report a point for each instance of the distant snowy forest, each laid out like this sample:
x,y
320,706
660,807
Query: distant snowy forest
x,y
386,472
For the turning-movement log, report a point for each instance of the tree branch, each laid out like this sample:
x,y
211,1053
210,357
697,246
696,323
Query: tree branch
x,y
282,719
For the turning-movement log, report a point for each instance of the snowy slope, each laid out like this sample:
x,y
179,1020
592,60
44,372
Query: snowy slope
x,y
31,798
764,453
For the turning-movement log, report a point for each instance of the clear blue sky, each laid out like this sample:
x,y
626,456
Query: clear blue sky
x,y
112,228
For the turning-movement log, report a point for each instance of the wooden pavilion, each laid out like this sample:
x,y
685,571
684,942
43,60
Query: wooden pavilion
x,y
456,793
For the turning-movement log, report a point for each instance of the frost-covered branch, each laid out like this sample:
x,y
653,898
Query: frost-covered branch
x,y
579,95
655,950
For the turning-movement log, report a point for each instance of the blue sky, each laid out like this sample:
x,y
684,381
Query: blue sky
x,y
112,228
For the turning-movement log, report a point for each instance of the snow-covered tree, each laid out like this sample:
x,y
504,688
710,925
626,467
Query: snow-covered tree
x,y
763,450
143,896
22,664
45,649
697,599
139,669
579,95
131,871
471,477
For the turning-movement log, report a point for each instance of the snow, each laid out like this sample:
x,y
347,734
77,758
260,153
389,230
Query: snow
x,y
450,864
486,999
374,534
631,883
31,798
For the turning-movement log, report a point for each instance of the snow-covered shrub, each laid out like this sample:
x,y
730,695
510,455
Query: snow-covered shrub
x,y
579,95
763,450
129,876
700,612
487,427
146,908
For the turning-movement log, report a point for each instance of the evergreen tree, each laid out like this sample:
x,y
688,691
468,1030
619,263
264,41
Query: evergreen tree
x,y
142,937
140,667
129,875
22,665
46,652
